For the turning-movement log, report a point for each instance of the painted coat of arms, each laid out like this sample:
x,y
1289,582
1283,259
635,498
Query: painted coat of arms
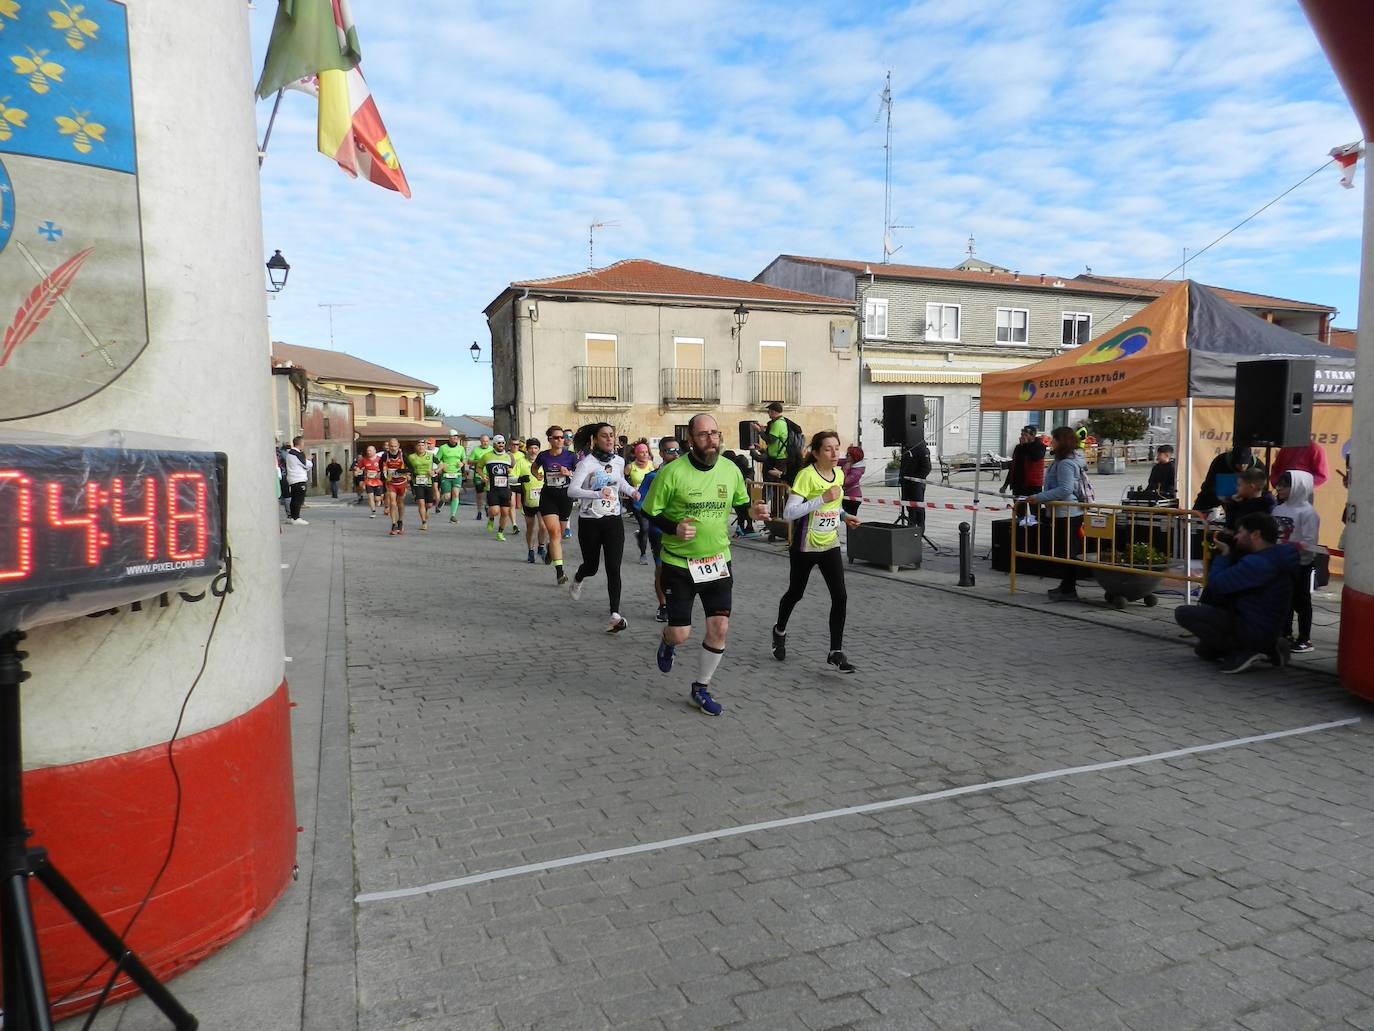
x,y
73,313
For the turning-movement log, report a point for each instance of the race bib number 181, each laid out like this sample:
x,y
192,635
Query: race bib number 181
x,y
704,570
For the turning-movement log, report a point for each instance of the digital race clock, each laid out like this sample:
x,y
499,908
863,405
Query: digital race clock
x,y
81,528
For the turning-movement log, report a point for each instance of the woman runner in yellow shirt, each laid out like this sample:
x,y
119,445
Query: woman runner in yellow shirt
x,y
814,509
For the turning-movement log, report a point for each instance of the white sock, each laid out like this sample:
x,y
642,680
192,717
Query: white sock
x,y
710,659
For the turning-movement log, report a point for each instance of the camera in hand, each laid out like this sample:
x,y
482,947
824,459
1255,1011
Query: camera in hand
x,y
1226,537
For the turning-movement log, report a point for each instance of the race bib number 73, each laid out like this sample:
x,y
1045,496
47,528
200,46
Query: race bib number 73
x,y
704,570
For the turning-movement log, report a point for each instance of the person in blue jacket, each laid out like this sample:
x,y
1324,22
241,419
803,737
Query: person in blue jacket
x,y
1250,585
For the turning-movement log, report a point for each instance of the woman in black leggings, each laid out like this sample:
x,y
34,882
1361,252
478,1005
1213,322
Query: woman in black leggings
x,y
597,483
814,509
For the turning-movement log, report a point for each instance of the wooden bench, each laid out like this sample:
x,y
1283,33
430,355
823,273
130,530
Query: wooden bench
x,y
967,463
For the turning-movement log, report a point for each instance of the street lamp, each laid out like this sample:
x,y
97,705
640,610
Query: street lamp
x,y
741,317
278,268
476,353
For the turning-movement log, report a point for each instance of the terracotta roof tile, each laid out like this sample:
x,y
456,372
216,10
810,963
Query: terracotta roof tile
x,y
344,368
1116,286
1343,338
976,277
650,278
1241,297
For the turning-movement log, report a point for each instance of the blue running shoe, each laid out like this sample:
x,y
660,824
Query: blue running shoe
x,y
666,652
701,698
530,560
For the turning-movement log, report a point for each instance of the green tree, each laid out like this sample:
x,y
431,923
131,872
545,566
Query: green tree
x,y
1118,424
434,412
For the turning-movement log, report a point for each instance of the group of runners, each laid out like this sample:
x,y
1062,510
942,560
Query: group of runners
x,y
681,506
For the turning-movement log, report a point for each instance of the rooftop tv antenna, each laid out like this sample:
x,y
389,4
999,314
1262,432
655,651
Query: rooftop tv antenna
x,y
331,308
885,108
591,240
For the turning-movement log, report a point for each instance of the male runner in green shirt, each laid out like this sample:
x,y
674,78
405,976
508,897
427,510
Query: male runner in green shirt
x,y
451,457
421,464
477,461
690,501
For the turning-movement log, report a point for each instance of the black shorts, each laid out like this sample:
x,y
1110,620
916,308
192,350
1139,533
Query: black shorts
x,y
555,501
679,588
656,546
530,512
375,489
498,497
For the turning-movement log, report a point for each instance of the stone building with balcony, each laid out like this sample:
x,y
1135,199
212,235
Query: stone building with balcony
x,y
935,331
645,346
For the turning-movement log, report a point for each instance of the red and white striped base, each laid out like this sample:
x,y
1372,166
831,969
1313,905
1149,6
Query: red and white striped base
x,y
106,824
1355,652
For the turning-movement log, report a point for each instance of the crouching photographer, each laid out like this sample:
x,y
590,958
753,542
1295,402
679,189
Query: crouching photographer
x,y
1249,590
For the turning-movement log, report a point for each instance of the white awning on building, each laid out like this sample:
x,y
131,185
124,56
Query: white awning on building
x,y
911,375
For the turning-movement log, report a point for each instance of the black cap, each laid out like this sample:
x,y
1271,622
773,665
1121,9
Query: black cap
x,y
775,407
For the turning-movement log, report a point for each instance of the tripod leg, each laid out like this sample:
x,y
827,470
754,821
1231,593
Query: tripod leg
x,y
102,934
22,960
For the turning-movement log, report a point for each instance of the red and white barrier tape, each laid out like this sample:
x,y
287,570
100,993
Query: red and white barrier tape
x,y
934,504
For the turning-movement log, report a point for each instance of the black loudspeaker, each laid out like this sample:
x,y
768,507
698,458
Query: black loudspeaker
x,y
1274,402
904,420
746,435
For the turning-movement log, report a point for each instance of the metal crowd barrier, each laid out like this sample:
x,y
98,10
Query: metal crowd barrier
x,y
775,494
1108,537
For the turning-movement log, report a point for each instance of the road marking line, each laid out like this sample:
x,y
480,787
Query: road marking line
x,y
830,814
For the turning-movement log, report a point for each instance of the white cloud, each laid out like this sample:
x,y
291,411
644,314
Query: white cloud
x,y
719,135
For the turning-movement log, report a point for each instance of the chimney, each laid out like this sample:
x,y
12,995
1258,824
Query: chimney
x,y
1042,279
1016,275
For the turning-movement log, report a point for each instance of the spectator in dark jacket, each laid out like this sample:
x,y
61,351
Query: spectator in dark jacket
x,y
1250,583
1164,473
1027,472
1235,461
1252,495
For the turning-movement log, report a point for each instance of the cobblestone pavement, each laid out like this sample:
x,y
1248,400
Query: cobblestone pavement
x,y
494,724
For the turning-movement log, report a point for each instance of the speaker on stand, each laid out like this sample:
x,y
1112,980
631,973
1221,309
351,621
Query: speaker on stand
x,y
1273,406
904,426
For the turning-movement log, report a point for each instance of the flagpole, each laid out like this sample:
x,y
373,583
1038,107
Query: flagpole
x,y
262,151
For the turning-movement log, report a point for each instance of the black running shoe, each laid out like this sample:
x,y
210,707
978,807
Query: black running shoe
x,y
779,645
838,660
662,614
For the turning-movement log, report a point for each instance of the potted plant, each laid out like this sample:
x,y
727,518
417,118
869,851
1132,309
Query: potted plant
x,y
1116,426
1121,586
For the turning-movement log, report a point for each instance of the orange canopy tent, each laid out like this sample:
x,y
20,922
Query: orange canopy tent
x,y
1185,346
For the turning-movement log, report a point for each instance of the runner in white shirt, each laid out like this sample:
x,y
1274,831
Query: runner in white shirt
x,y
597,484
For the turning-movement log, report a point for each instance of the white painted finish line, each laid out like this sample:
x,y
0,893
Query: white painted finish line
x,y
831,814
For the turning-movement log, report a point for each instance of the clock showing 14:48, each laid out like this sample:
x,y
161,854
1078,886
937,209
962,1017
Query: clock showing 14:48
x,y
77,521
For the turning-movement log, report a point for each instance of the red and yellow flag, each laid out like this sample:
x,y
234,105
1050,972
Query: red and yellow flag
x,y
349,128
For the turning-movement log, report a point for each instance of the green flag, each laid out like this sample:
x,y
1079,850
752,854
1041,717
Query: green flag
x,y
307,40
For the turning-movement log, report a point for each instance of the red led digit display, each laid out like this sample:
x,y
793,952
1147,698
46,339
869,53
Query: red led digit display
x,y
16,493
148,518
179,485
89,522
83,519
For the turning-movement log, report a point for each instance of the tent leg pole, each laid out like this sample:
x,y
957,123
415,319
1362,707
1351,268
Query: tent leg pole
x,y
1188,494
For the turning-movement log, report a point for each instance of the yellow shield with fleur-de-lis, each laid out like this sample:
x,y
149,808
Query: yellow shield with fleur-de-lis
x,y
73,311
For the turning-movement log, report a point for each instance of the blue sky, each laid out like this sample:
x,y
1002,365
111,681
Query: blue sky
x,y
721,134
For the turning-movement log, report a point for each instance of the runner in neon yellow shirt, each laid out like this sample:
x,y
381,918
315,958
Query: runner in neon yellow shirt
x,y
451,455
814,509
422,469
477,459
690,501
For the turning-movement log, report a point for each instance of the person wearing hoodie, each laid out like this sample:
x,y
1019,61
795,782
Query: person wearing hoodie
x,y
1299,525
1250,582
1064,482
1230,464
